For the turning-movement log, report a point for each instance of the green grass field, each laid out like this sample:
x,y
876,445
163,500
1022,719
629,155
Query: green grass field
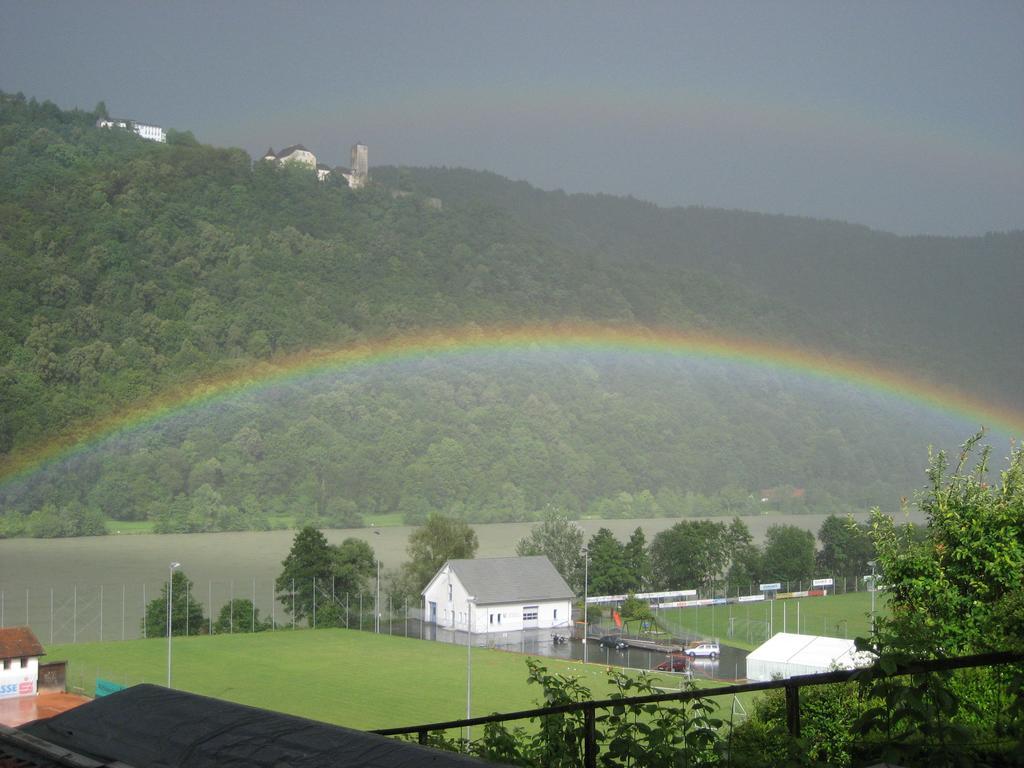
x,y
356,679
125,527
385,519
834,616
287,522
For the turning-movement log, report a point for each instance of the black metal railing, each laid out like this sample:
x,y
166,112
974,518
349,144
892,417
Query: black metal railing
x,y
791,685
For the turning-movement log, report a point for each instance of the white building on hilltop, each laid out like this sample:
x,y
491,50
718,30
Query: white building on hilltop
x,y
498,594
300,155
145,130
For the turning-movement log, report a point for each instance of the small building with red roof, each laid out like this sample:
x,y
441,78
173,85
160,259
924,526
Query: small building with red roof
x,y
20,650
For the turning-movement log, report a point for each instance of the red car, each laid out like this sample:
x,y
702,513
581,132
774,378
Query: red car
x,y
676,663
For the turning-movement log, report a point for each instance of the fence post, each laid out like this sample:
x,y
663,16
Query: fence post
x,y
421,736
793,710
590,738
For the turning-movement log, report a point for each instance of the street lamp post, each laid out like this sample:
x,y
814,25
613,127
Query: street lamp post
x,y
170,602
872,563
469,658
586,578
376,603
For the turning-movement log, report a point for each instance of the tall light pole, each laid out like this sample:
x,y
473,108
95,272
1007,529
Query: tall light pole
x,y
376,604
170,602
469,658
872,563
586,579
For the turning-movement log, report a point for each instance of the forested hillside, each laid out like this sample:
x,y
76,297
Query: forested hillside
x,y
130,267
948,306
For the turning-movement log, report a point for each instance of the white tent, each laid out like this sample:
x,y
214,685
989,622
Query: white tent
x,y
786,655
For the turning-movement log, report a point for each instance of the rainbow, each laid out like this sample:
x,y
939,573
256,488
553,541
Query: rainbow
x,y
470,341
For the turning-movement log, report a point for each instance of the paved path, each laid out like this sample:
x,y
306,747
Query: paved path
x,y
25,709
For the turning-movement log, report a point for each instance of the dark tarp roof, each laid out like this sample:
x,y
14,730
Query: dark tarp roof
x,y
149,726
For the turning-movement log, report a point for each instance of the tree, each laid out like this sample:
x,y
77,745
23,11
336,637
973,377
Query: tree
x,y
960,589
560,540
239,615
439,539
637,561
846,547
186,612
608,573
746,565
312,560
692,553
354,563
788,554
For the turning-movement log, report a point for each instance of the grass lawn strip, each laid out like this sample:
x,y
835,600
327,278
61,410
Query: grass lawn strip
x,y
833,616
356,679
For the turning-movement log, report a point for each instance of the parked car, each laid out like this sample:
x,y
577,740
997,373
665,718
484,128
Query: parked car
x,y
675,663
612,641
703,650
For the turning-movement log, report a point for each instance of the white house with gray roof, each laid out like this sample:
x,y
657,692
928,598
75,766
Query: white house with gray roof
x,y
508,594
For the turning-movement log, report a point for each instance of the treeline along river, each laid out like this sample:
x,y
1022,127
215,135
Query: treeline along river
x,y
87,589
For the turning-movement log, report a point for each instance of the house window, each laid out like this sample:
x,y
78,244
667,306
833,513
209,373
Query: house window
x,y
556,614
24,662
449,591
490,616
7,663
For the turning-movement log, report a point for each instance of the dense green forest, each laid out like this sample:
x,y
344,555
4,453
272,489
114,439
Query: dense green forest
x,y
948,306
130,267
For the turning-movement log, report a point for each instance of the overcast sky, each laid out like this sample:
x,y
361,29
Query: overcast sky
x,y
905,116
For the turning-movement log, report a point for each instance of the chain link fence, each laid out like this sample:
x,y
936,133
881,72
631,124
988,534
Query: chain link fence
x,y
102,612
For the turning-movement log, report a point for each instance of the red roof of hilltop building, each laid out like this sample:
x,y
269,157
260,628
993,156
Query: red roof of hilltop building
x,y
18,642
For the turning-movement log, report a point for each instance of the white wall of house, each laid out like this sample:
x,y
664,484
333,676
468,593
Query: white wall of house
x,y
510,617
151,132
446,595
17,679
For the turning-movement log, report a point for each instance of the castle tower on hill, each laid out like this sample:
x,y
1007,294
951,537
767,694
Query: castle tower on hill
x,y
360,166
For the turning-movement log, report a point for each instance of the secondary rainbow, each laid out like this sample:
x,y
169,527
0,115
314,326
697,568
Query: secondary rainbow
x,y
556,337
